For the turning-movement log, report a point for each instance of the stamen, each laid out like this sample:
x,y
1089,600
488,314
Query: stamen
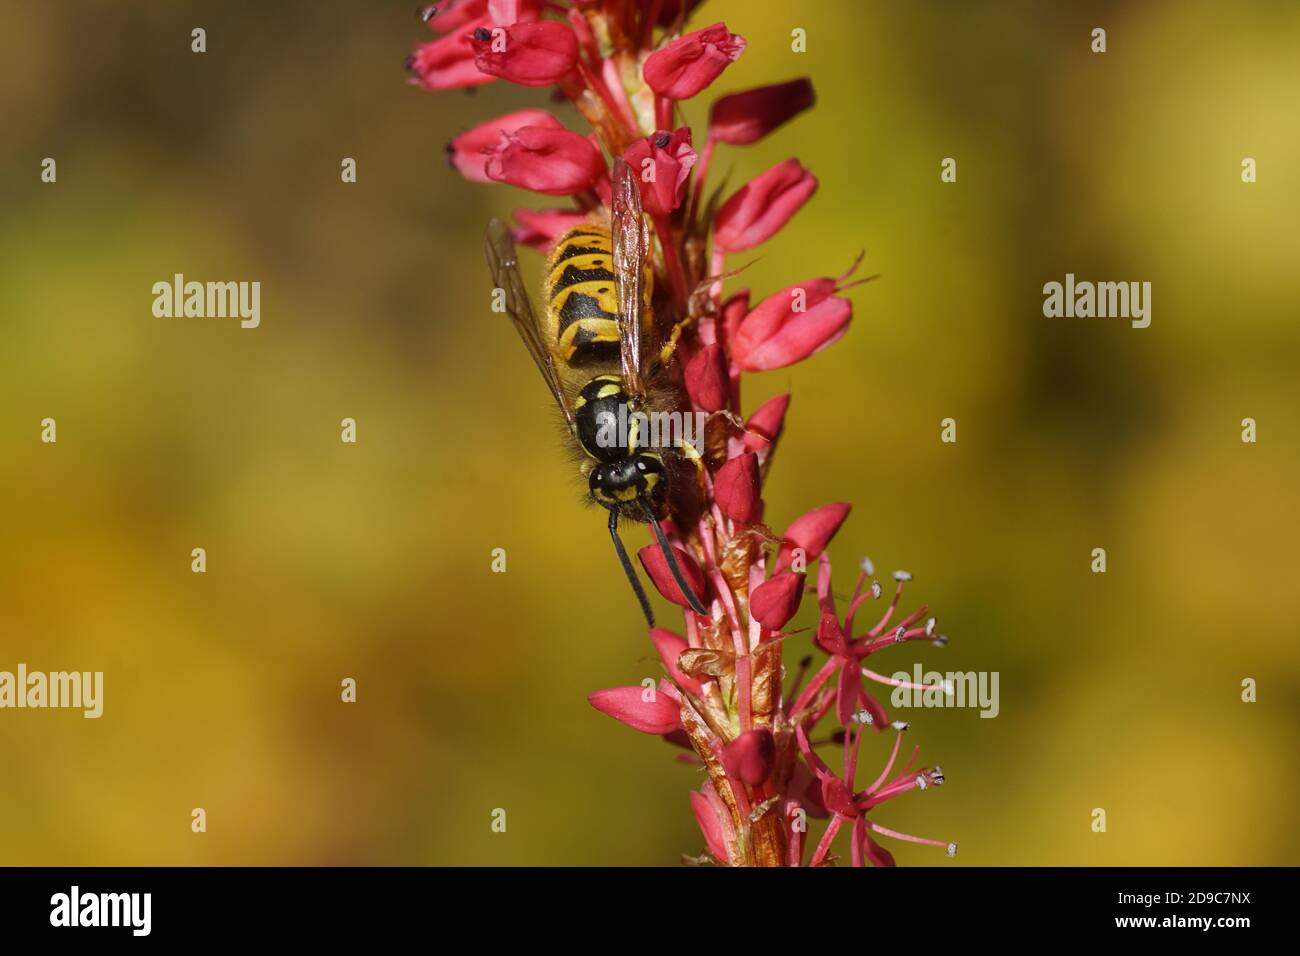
x,y
876,590
868,568
921,782
902,575
885,831
894,682
899,634
941,640
884,774
900,725
929,627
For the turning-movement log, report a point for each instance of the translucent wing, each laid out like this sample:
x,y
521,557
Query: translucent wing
x,y
504,265
631,247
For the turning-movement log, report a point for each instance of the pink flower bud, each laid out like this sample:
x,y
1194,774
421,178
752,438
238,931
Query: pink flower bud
x,y
662,162
539,228
552,161
765,425
790,325
670,647
706,815
468,151
652,559
737,490
744,118
734,309
762,206
751,756
531,54
812,532
706,379
641,708
453,14
776,601
447,63
693,61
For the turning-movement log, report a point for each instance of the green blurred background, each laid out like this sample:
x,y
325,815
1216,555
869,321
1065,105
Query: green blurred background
x,y
1119,691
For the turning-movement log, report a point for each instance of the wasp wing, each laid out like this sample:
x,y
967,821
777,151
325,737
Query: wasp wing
x,y
504,265
631,248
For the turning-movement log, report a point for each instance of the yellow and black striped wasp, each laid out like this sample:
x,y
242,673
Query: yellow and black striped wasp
x,y
596,347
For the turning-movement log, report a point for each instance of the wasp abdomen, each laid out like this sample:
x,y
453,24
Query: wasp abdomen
x,y
582,303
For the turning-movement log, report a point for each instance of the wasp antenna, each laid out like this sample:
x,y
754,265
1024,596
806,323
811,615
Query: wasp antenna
x,y
627,569
696,604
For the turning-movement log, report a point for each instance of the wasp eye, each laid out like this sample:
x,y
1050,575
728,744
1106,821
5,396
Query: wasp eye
x,y
640,466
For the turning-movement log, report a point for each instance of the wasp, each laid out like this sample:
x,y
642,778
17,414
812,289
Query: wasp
x,y
596,345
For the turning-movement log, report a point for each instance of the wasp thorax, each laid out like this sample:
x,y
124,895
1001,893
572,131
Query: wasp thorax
x,y
600,416
621,483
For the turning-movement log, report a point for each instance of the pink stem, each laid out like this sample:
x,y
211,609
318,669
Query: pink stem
x,y
824,845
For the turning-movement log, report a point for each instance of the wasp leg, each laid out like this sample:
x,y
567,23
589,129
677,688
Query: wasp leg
x,y
691,454
670,346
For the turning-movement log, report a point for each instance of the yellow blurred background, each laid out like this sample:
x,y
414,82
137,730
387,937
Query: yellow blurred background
x,y
325,560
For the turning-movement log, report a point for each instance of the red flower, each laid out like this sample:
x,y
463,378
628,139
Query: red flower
x,y
447,63
552,161
663,163
765,425
812,532
649,710
733,310
762,206
538,53
744,118
670,647
691,62
751,756
540,228
777,600
706,379
451,14
652,559
791,325
468,151
737,490
709,813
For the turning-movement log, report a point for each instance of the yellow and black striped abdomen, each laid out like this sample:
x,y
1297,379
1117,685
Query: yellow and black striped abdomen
x,y
581,298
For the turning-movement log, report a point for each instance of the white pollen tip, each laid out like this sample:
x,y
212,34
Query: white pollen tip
x,y
899,633
952,849
929,626
921,782
876,590
900,725
902,575
868,568
864,717
941,640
